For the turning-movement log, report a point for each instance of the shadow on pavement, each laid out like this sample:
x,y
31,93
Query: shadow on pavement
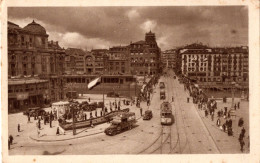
x,y
54,153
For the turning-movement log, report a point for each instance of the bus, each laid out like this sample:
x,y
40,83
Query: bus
x,y
167,117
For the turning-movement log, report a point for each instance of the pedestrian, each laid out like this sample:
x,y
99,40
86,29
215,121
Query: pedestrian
x,y
235,106
85,115
9,144
58,131
18,127
243,131
39,124
141,111
50,123
218,122
212,116
172,99
242,143
89,99
224,127
28,118
230,123
240,122
11,139
238,105
188,99
206,113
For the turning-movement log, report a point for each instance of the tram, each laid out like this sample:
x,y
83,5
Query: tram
x,y
167,117
162,85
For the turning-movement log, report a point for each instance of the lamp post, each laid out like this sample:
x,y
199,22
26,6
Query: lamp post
x,y
233,89
73,111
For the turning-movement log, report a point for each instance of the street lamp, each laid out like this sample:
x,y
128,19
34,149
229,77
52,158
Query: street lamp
x,y
233,89
73,110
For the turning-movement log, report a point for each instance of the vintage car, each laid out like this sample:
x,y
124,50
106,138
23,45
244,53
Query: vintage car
x,y
148,114
112,94
37,111
124,121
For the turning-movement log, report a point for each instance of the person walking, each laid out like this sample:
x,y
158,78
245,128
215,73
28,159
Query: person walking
x,y
50,122
243,131
241,141
29,120
89,99
9,144
172,99
11,139
141,111
58,131
235,106
18,127
238,105
38,132
218,122
212,116
224,127
240,122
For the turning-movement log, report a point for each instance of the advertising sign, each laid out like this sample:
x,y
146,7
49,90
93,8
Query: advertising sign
x,y
22,96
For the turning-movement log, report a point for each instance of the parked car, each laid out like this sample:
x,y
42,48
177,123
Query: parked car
x,y
34,111
148,114
112,94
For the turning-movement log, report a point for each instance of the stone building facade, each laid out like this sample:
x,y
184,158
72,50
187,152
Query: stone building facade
x,y
145,56
31,57
215,65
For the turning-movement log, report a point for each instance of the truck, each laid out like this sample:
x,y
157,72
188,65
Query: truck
x,y
122,122
162,94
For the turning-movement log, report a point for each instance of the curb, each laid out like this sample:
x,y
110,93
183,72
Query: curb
x,y
38,140
56,140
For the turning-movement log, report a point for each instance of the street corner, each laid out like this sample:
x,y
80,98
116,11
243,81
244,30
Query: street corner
x,y
50,135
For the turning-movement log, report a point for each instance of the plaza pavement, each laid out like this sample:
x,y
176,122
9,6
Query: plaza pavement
x,y
48,134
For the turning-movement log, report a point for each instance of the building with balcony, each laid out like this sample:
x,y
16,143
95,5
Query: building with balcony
x,y
145,56
213,66
31,57
168,58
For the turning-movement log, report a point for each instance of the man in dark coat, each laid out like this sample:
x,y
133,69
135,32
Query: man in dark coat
x,y
18,127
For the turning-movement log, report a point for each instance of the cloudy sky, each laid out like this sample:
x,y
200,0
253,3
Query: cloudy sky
x,y
103,27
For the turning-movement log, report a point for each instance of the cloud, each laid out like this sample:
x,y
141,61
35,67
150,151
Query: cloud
x,y
133,14
148,25
111,26
79,41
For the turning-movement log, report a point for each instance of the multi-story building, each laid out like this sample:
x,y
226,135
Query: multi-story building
x,y
168,58
32,61
215,65
145,56
118,60
74,61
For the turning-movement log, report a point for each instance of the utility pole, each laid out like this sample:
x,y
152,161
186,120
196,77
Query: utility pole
x,y
73,111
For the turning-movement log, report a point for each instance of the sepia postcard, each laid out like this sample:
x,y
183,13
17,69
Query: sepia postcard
x,y
130,81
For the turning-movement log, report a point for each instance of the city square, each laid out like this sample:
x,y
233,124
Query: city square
x,y
141,93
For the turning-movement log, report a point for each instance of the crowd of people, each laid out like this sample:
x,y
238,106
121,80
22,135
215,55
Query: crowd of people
x,y
209,107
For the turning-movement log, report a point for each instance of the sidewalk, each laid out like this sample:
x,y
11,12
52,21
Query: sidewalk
x,y
48,134
227,144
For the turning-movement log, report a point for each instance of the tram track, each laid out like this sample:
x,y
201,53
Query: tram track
x,y
181,149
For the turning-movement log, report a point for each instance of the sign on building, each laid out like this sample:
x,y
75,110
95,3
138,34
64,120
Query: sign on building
x,y
22,96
